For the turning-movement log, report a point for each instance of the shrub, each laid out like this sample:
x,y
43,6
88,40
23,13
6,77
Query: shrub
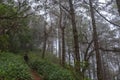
x,y
12,67
61,75
50,71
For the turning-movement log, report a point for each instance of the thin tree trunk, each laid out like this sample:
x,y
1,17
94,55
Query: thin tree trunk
x,y
69,56
59,31
62,27
44,45
75,36
96,44
45,33
59,48
63,46
93,68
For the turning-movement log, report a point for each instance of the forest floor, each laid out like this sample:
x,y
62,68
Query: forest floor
x,y
35,75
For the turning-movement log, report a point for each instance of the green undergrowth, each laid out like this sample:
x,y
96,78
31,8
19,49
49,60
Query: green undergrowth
x,y
48,56
48,70
13,67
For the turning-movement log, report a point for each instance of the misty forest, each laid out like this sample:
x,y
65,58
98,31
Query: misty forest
x,y
59,39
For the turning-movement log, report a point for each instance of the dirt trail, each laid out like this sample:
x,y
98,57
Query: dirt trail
x,y
35,75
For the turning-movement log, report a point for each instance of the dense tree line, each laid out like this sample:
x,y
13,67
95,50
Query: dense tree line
x,y
83,34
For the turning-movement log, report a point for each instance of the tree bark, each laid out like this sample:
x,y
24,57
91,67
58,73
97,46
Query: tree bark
x,y
62,28
69,55
96,44
59,48
45,33
75,36
44,44
63,46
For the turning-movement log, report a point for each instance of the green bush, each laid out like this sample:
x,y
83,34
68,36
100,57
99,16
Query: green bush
x,y
12,67
49,56
50,71
61,75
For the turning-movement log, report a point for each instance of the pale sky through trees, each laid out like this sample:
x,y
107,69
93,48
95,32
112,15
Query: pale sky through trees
x,y
103,1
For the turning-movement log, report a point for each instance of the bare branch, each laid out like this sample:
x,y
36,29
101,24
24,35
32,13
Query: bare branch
x,y
106,18
103,16
110,50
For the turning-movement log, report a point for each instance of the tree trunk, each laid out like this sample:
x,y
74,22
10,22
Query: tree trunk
x,y
59,48
75,36
45,33
63,46
96,44
93,68
69,52
62,27
44,45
